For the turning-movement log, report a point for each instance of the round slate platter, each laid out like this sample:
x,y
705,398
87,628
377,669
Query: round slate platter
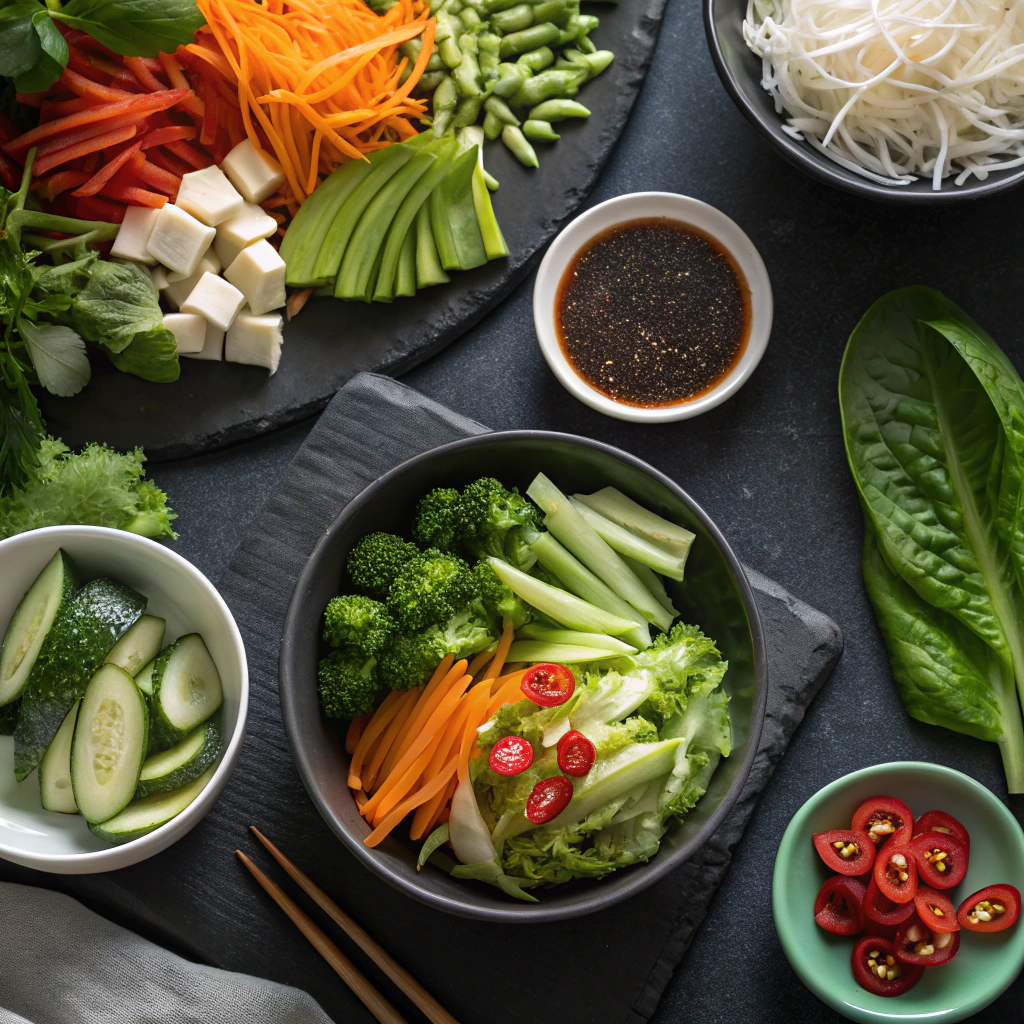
x,y
213,404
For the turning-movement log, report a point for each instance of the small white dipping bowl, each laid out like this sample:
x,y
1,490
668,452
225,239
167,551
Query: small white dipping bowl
x,y
639,206
180,593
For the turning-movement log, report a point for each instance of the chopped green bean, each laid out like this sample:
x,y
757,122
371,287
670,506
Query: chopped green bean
x,y
545,86
541,131
434,62
537,60
489,180
492,126
588,22
411,48
570,32
529,39
493,6
510,78
489,42
519,146
558,110
450,52
500,109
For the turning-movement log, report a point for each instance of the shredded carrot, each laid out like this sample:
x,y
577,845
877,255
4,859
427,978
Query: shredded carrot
x,y
146,78
386,742
355,732
57,157
134,195
508,693
475,717
377,724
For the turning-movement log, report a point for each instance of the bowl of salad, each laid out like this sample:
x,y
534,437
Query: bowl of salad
x,y
523,676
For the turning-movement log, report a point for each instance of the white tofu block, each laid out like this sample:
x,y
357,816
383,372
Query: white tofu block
x,y
134,233
210,261
258,273
209,196
189,332
249,226
179,240
255,340
215,300
158,274
226,251
256,174
213,347
176,292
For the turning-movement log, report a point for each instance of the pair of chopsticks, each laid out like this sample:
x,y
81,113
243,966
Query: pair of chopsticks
x,y
347,971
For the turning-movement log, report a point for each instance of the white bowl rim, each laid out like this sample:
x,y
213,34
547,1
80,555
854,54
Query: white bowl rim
x,y
160,838
709,219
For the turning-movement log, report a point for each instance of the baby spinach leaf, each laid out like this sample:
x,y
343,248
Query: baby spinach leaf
x,y
20,48
136,28
53,56
58,354
152,355
118,303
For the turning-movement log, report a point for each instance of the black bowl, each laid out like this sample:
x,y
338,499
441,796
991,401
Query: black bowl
x,y
715,596
740,71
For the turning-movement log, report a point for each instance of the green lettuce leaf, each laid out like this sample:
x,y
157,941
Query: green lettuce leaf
x,y
119,302
58,355
151,356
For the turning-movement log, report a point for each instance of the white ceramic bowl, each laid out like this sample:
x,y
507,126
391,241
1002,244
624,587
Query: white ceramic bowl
x,y
180,593
636,206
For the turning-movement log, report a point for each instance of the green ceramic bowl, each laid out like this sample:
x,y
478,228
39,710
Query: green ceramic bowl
x,y
985,965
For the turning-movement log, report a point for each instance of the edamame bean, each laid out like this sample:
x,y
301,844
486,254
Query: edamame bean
x,y
540,130
555,11
446,97
585,44
537,60
430,81
492,125
450,52
519,146
587,23
514,19
470,19
570,32
467,74
467,112
545,86
501,110
558,110
598,61
510,78
529,39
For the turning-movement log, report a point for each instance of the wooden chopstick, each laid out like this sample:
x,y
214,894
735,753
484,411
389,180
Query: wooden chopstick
x,y
347,971
429,1006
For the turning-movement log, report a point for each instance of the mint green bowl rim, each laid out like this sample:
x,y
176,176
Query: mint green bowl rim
x,y
798,832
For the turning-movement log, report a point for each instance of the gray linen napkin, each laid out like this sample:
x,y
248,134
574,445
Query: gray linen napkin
x,y
63,964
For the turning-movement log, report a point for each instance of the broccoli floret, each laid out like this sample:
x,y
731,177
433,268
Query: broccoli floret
x,y
465,633
498,599
429,590
409,660
436,524
359,621
348,683
496,521
377,559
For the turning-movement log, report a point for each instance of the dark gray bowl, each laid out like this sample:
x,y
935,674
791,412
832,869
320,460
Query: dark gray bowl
x,y
740,71
715,596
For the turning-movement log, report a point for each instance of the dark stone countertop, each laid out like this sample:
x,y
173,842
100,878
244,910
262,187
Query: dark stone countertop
x,y
768,466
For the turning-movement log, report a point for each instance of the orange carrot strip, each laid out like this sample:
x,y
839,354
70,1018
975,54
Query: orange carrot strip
x,y
57,157
479,661
355,732
135,196
61,182
502,652
475,717
389,823
378,722
193,104
361,799
104,174
387,741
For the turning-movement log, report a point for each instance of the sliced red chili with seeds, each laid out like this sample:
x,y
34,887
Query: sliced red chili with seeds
x,y
838,908
935,910
576,754
919,946
876,968
511,755
845,851
941,859
883,911
548,799
940,821
548,685
884,817
880,931
896,872
992,909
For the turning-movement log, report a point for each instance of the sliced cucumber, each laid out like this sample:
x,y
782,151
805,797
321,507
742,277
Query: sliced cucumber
x,y
32,620
144,680
186,690
139,645
80,638
149,813
109,745
55,769
185,761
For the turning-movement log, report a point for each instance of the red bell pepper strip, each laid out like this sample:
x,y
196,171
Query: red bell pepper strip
x,y
845,851
884,817
168,133
145,77
940,821
548,685
173,165
161,180
95,208
876,968
935,910
839,905
135,196
941,859
193,157
896,872
10,173
57,157
992,909
104,174
919,946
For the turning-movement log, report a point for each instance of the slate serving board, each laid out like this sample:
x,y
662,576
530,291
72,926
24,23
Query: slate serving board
x,y
213,404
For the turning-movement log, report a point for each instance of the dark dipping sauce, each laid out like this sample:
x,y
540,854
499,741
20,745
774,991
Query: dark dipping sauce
x,y
653,312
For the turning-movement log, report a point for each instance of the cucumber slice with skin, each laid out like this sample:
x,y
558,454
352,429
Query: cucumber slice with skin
x,y
80,638
186,691
31,622
111,736
55,789
144,680
182,763
149,813
141,644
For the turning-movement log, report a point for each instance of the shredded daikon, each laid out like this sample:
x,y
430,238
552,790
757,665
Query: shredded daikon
x,y
895,89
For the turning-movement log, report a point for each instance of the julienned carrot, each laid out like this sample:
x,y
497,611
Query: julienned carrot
x,y
146,77
508,693
431,789
355,732
475,717
502,652
386,742
479,661
104,174
377,724
169,133
61,156
61,182
191,156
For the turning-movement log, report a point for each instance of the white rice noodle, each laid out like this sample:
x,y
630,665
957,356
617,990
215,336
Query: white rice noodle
x,y
897,89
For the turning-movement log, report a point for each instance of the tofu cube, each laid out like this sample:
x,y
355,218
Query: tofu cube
x,y
257,175
176,292
249,226
215,300
209,196
258,273
179,240
213,347
210,261
189,332
134,234
255,340
158,273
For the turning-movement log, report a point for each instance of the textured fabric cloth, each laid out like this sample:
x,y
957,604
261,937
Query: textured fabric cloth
x,y
63,964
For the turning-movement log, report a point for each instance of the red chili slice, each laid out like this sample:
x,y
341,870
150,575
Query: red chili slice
x,y
511,755
872,955
940,821
918,945
896,872
838,908
548,685
883,911
880,931
576,754
935,910
884,817
992,909
849,853
941,859
548,799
